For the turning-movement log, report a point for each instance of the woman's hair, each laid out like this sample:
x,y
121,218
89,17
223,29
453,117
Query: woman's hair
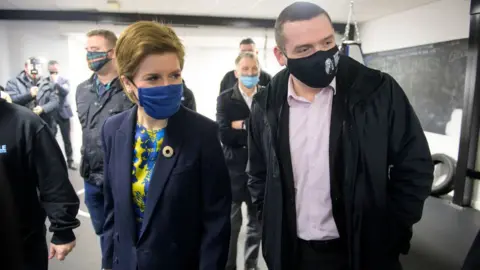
x,y
250,55
142,39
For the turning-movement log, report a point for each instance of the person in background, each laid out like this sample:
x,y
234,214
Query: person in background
x,y
339,164
64,111
37,176
32,90
188,99
161,151
229,80
98,98
233,111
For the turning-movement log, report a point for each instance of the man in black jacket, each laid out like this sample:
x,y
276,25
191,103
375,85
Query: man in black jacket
x,y
98,98
233,111
32,90
339,165
64,112
38,178
229,80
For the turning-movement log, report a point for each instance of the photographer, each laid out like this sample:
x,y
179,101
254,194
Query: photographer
x,y
31,90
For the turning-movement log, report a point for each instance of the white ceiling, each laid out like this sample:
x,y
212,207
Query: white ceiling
x,y
338,9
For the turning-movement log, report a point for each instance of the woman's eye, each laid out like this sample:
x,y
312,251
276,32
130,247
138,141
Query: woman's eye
x,y
152,78
176,76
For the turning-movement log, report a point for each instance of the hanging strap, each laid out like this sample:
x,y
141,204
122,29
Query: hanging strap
x,y
351,16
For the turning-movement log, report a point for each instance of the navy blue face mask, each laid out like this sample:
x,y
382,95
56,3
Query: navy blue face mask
x,y
161,102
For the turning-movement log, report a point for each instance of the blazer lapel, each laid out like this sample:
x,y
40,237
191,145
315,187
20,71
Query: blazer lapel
x,y
164,165
124,152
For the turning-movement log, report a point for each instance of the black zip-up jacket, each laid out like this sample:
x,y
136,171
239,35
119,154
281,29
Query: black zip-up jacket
x,y
381,168
34,163
92,111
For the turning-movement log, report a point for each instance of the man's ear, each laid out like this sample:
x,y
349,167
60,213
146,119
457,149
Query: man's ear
x,y
236,74
281,58
112,54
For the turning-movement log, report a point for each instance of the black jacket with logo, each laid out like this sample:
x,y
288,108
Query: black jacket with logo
x,y
38,177
92,111
381,168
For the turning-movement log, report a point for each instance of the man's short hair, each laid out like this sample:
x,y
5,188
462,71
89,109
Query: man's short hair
x,y
247,41
107,34
250,55
52,62
298,11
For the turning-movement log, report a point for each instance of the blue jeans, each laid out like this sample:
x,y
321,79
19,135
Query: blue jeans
x,y
94,200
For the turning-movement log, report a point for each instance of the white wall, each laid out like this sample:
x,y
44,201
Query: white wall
x,y
436,22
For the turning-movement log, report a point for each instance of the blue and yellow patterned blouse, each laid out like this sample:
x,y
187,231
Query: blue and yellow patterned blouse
x,y
145,152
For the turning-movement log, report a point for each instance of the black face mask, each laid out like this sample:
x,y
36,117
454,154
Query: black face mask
x,y
316,70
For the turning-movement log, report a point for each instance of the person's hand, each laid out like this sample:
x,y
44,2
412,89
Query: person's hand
x,y
60,251
34,91
38,110
237,124
6,96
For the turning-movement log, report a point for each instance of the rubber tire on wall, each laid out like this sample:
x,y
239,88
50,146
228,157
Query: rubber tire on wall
x,y
447,185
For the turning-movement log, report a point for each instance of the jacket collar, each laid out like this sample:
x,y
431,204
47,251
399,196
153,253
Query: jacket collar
x,y
354,79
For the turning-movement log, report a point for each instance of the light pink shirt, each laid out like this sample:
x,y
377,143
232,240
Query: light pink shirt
x,y
309,148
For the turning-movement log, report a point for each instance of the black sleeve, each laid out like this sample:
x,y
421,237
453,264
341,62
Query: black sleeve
x,y
17,97
52,103
107,258
256,167
411,172
55,190
216,203
228,135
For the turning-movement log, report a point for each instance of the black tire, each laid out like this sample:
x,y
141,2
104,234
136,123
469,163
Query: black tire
x,y
446,185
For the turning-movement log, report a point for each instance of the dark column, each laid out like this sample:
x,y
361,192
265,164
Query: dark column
x,y
467,154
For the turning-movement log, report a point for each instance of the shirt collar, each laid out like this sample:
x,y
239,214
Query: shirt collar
x,y
292,95
243,93
98,82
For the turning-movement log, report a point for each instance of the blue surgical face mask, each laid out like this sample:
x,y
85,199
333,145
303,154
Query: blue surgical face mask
x,y
249,81
161,102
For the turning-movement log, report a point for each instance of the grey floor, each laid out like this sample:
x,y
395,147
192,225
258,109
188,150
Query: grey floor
x,y
441,239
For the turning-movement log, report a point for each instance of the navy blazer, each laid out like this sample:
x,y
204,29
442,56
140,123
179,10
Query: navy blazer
x,y
187,216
